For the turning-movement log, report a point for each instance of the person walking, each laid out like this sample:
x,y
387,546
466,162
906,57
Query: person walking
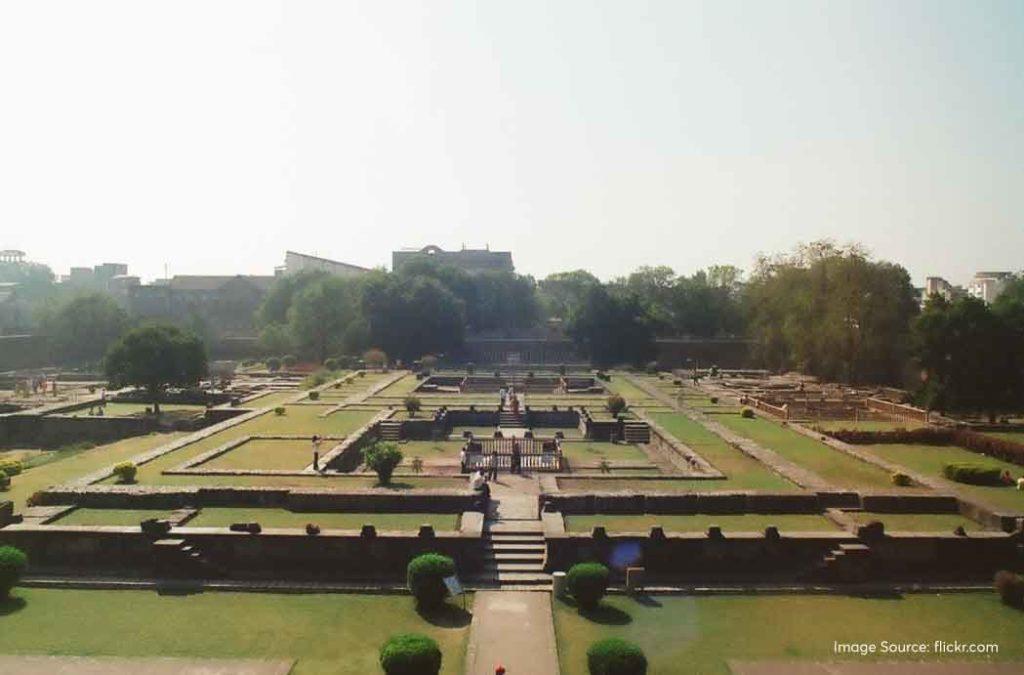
x,y
517,457
492,466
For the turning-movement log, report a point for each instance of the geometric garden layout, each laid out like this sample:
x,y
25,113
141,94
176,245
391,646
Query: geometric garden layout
x,y
692,486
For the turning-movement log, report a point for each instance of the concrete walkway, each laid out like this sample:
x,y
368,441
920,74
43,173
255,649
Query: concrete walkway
x,y
513,629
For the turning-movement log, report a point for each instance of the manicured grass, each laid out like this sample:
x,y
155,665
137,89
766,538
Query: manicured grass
x,y
918,522
634,395
699,522
592,452
699,634
428,450
861,425
267,454
408,522
633,485
834,466
78,463
402,387
354,482
930,459
1015,436
121,517
744,472
298,419
134,409
327,633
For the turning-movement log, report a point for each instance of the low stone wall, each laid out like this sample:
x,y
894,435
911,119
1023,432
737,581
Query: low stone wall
x,y
55,430
6,513
897,411
463,417
296,499
790,557
273,554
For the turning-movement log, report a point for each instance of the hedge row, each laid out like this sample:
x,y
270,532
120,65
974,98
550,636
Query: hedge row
x,y
1000,448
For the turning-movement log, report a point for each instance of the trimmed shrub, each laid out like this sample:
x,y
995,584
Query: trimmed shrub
x,y
13,562
425,577
900,479
615,404
973,474
412,405
126,472
5,482
1010,587
747,413
10,467
714,399
410,654
279,410
314,396
288,360
428,362
331,363
382,458
614,656
587,583
273,364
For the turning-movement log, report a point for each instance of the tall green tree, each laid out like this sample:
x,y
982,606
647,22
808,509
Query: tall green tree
x,y
612,328
563,293
82,328
320,315
407,317
155,357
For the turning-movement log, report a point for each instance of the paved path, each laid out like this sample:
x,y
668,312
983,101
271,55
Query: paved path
x,y
514,629
82,665
872,668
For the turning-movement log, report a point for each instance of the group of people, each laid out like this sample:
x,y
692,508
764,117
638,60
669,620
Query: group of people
x,y
509,398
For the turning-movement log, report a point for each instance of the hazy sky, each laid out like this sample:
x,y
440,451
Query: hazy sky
x,y
212,136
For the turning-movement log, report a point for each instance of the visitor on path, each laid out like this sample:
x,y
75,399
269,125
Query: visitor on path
x,y
316,452
462,460
517,457
477,482
1020,483
492,466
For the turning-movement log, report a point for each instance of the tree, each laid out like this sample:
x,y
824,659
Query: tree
x,y
375,358
409,316
412,405
563,293
612,329
321,313
382,457
155,357
83,327
275,306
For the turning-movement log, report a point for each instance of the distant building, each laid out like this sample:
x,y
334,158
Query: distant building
x,y
98,277
224,305
940,287
12,256
469,260
301,262
988,285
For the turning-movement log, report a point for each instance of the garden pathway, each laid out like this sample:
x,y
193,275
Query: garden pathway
x,y
514,629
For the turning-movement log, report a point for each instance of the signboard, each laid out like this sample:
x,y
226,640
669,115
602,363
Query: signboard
x,y
454,587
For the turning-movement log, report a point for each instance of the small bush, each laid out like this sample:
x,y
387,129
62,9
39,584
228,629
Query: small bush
x,y
747,413
375,358
273,364
10,467
331,364
425,577
5,482
288,360
126,472
587,583
1010,587
714,399
614,656
412,405
973,474
410,654
314,396
615,404
13,562
382,458
900,479
652,367
428,362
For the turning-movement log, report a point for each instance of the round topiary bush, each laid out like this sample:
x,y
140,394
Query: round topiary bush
x,y
1010,587
425,577
126,472
714,399
900,479
279,410
587,583
613,656
288,360
747,413
273,364
314,396
12,563
615,404
410,654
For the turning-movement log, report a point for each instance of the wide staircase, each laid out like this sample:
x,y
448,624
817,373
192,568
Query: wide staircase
x,y
514,548
847,563
390,430
636,431
174,557
510,420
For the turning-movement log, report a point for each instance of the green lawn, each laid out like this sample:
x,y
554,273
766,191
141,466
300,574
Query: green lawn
x,y
699,522
119,517
633,485
861,425
78,463
837,468
699,634
918,522
930,459
1015,436
743,472
327,633
402,387
223,517
428,450
592,452
267,454
132,409
634,395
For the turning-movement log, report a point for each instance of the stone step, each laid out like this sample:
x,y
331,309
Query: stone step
x,y
513,558
507,568
168,544
514,527
517,538
854,549
524,578
498,547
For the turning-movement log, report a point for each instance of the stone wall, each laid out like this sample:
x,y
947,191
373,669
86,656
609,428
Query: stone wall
x,y
55,430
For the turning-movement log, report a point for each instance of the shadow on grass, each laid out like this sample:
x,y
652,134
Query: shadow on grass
x,y
11,604
646,600
606,615
446,616
874,594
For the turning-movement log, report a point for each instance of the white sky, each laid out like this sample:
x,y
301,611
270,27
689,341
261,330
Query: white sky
x,y
211,136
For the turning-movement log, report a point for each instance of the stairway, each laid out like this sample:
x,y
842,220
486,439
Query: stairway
x,y
636,432
513,556
390,430
177,558
510,420
847,562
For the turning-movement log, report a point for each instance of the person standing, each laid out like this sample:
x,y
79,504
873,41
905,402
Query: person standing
x,y
492,466
517,457
316,452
